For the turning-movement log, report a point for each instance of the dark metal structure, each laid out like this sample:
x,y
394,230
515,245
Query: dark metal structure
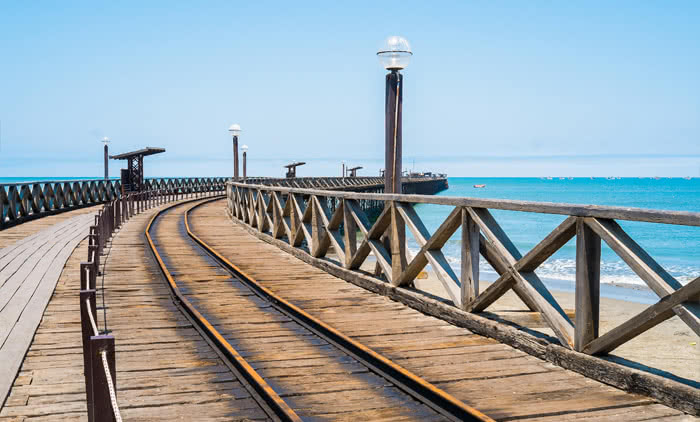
x,y
353,171
292,169
132,178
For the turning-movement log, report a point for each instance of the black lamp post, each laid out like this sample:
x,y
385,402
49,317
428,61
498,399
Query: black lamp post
x,y
394,56
105,141
235,130
245,151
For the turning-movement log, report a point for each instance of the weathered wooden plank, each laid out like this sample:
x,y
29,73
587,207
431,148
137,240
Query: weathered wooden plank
x,y
587,285
576,210
469,274
656,277
385,329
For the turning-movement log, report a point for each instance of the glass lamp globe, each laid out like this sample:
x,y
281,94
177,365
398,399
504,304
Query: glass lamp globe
x,y
235,129
395,53
105,140
244,148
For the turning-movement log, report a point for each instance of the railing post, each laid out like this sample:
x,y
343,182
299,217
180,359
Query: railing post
x,y
94,256
350,235
398,244
87,280
587,285
102,401
87,304
470,259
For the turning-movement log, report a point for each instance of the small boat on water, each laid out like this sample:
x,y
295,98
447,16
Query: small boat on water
x,y
479,186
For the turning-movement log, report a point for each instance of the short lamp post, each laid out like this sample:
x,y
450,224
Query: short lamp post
x,y
244,148
343,173
394,56
105,141
235,130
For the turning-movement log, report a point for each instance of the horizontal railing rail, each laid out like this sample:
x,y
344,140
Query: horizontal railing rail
x,y
23,201
99,360
318,221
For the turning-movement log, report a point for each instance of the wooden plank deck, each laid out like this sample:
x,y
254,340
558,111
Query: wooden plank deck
x,y
503,382
22,232
165,369
29,271
317,380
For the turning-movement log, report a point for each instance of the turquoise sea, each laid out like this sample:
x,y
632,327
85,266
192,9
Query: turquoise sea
x,y
676,248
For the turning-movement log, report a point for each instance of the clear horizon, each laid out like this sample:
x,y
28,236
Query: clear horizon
x,y
493,90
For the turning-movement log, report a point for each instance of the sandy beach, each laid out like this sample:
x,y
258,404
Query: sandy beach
x,y
670,347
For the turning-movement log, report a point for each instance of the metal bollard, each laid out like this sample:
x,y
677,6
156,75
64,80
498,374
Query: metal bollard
x,y
101,399
87,332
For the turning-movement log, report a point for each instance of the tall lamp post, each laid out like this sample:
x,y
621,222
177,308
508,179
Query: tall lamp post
x,y
235,130
105,141
245,151
343,173
394,56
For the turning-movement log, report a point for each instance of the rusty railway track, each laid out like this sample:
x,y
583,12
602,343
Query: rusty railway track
x,y
446,406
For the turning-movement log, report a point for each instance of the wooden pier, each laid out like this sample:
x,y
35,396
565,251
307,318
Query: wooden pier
x,y
260,303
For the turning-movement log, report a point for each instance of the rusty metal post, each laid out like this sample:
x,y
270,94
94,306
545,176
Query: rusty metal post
x,y
102,402
244,165
392,132
87,304
106,161
235,158
392,165
94,256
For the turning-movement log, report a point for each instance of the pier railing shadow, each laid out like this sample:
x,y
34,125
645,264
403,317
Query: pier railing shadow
x,y
324,221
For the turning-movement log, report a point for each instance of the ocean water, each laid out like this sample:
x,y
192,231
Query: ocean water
x,y
676,248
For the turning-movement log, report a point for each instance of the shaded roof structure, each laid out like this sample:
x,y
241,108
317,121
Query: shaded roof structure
x,y
142,152
132,177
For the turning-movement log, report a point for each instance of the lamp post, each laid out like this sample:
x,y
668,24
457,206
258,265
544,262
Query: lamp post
x,y
394,56
245,151
105,141
235,130
343,173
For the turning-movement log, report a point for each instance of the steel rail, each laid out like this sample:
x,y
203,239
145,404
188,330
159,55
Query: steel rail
x,y
423,391
262,388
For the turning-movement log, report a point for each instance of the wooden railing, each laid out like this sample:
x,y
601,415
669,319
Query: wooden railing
x,y
320,220
98,347
22,201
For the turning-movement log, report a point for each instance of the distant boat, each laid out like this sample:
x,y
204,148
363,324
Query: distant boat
x,y
479,186
571,178
657,178
549,178
592,178
562,178
687,177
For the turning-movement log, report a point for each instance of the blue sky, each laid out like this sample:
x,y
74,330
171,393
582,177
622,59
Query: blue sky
x,y
494,89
